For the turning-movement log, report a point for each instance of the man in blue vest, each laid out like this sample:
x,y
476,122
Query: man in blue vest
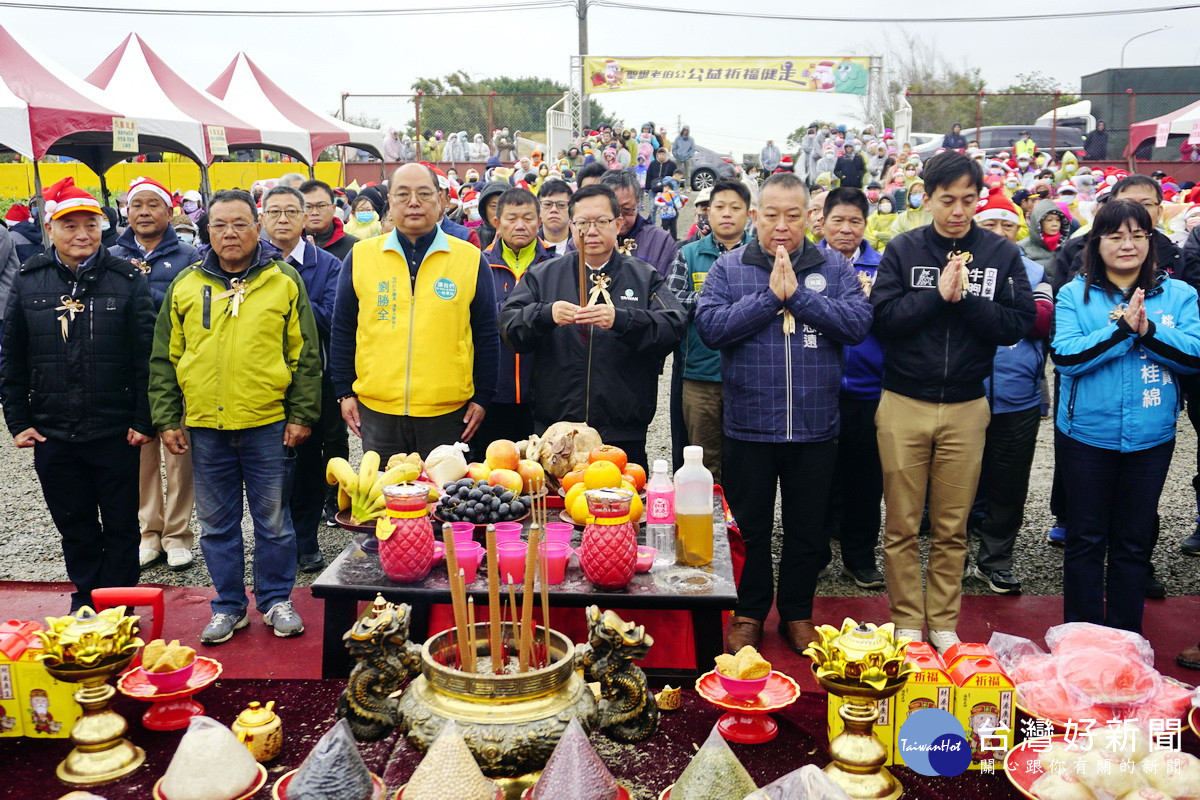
x,y
703,394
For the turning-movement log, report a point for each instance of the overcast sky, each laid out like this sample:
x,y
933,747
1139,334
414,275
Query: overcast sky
x,y
318,59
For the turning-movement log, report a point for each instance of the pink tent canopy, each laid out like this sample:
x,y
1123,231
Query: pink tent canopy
x,y
1180,120
136,74
247,90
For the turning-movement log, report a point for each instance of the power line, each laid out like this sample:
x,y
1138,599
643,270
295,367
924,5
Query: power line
x,y
902,20
520,5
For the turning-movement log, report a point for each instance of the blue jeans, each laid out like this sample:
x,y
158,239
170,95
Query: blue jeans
x,y
1112,507
223,462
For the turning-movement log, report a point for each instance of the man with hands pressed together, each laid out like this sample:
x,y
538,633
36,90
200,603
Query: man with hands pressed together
x,y
236,339
780,311
945,296
76,343
600,324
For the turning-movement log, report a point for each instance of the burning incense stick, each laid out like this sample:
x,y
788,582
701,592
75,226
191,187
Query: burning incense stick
x,y
494,609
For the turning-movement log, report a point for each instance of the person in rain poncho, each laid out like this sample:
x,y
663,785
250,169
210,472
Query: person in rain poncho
x,y
916,215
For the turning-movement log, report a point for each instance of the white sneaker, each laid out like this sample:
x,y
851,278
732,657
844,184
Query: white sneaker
x,y
146,556
284,619
179,558
910,633
943,640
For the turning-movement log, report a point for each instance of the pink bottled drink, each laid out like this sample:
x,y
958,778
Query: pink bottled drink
x,y
660,514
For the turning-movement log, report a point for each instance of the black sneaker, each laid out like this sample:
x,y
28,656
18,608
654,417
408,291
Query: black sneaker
x,y
1191,545
312,562
1155,589
1000,581
869,578
330,511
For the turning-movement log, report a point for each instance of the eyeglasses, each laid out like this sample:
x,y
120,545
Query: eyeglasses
x,y
318,207
1150,205
276,213
587,224
402,196
558,206
220,227
628,211
1137,237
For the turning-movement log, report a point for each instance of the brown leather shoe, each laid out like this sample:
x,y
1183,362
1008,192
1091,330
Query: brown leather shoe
x,y
744,631
799,634
1189,658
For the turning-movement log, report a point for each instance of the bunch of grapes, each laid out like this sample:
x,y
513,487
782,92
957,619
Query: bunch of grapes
x,y
480,503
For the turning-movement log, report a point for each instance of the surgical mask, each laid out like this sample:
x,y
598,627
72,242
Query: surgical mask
x,y
189,206
187,237
1011,183
104,223
915,200
1070,168
364,216
872,195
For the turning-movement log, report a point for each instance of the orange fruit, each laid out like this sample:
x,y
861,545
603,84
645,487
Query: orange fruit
x,y
608,452
579,510
602,475
573,494
571,478
627,486
636,474
636,508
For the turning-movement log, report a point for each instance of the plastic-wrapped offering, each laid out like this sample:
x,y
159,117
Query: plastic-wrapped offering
x,y
714,774
1056,700
1061,786
449,764
807,783
1128,739
1108,678
1172,773
209,764
575,771
334,770
1072,636
1035,668
1010,650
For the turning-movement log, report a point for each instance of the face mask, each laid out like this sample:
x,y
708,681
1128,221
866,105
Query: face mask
x,y
187,237
364,216
1011,183
872,195
915,200
1070,168
885,208
189,206
104,223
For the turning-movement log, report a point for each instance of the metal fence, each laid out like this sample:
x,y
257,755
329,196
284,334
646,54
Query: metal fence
x,y
936,113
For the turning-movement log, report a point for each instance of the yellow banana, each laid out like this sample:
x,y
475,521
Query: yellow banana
x,y
368,469
338,470
343,498
401,473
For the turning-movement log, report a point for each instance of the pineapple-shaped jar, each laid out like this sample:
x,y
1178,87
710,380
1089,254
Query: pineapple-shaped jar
x,y
609,552
404,533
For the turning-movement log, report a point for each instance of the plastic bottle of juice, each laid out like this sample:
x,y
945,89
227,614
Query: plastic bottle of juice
x,y
693,510
660,514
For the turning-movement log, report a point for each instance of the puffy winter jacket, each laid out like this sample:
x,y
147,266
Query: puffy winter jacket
x,y
1119,390
170,258
863,372
90,383
781,386
516,371
937,351
1035,246
28,240
606,378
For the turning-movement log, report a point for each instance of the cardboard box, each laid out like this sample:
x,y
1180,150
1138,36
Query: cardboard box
x,y
32,703
984,699
885,727
931,687
966,650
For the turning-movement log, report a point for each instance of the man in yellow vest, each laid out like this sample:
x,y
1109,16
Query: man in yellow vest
x,y
415,350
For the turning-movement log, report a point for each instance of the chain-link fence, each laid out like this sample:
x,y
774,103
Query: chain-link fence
x,y
1059,121
450,114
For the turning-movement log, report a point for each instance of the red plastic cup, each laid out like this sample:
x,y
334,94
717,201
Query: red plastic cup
x,y
508,532
470,554
559,532
510,556
554,555
463,532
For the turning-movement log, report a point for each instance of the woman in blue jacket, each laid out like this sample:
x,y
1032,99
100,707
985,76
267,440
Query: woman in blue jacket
x,y
1123,331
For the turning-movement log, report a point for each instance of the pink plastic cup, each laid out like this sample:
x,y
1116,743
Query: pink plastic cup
x,y
463,532
559,532
470,555
511,558
554,555
508,532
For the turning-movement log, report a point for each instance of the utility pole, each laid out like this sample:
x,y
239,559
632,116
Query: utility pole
x,y
585,102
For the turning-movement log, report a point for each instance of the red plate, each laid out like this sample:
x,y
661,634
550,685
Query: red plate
x,y
259,782
1017,769
622,793
279,790
780,692
135,684
666,793
1194,721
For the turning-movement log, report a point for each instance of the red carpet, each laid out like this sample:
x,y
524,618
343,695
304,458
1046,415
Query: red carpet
x,y
256,652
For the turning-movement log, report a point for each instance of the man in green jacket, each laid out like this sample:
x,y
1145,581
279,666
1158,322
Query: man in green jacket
x,y
249,402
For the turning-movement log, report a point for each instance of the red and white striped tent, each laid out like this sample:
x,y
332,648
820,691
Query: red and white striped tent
x,y
248,92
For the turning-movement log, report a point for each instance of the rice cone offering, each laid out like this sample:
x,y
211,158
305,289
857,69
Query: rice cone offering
x,y
448,764
575,770
209,764
334,770
806,783
714,774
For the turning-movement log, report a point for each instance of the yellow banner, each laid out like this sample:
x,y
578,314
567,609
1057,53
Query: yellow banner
x,y
833,74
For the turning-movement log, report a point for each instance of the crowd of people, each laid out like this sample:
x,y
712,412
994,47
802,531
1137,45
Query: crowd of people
x,y
856,328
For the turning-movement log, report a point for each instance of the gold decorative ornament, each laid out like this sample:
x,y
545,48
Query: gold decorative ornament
x,y
69,308
669,698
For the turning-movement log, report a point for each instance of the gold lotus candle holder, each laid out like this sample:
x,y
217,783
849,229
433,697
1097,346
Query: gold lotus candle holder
x,y
88,648
862,663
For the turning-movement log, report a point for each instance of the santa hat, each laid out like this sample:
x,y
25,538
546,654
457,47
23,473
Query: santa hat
x,y
1065,187
785,160
997,206
17,213
152,186
470,199
64,197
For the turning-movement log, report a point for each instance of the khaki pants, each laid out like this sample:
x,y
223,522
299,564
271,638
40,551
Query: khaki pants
x,y
164,523
939,447
703,405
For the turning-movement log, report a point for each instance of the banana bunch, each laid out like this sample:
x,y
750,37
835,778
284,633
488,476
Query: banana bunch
x,y
409,458
866,653
87,639
362,492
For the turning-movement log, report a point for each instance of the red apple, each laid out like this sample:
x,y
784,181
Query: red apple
x,y
502,454
533,477
477,471
507,478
